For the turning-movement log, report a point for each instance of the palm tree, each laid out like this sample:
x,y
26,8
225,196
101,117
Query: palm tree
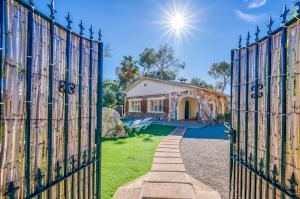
x,y
129,71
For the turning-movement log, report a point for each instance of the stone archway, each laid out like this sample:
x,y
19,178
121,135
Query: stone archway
x,y
187,108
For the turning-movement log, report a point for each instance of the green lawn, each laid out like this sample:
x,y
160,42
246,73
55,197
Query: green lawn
x,y
123,160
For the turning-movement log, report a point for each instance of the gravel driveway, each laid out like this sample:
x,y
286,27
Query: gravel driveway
x,y
205,154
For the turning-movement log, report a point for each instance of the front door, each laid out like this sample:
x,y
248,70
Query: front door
x,y
186,110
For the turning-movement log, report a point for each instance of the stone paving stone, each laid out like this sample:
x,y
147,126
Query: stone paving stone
x,y
167,161
179,177
173,137
169,146
167,155
169,143
168,150
168,167
168,191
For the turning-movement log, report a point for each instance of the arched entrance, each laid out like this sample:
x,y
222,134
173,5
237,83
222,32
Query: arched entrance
x,y
187,108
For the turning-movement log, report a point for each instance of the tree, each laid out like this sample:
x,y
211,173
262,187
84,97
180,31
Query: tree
x,y
109,98
129,71
221,72
201,83
112,94
160,64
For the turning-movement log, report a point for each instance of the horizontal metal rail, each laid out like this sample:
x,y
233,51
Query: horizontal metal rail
x,y
271,182
60,180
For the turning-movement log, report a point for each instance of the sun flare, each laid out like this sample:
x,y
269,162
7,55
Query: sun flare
x,y
177,21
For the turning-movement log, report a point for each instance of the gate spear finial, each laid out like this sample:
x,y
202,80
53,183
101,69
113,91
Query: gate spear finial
x,y
100,35
297,3
81,27
91,32
274,174
293,184
240,41
52,9
270,25
285,11
69,20
257,34
248,39
31,2
11,190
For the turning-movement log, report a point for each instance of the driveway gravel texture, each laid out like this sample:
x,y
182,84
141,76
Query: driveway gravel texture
x,y
205,154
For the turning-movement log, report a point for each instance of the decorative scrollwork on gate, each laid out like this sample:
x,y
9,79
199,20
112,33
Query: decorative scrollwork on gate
x,y
69,88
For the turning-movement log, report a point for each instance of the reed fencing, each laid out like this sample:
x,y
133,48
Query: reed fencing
x,y
50,106
265,126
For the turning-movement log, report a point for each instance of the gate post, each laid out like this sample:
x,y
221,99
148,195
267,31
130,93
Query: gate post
x,y
238,166
283,63
30,32
268,133
256,63
50,95
98,135
90,107
231,123
246,113
79,105
66,127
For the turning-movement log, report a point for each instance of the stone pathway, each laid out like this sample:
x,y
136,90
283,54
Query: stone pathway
x,y
168,178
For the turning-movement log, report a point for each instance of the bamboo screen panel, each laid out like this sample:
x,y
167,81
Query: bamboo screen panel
x,y
81,124
253,131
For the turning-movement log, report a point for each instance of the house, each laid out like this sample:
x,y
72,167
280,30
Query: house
x,y
173,100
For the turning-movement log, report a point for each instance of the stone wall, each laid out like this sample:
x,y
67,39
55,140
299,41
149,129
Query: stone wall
x,y
203,98
112,126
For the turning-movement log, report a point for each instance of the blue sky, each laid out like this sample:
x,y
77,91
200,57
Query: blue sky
x,y
131,25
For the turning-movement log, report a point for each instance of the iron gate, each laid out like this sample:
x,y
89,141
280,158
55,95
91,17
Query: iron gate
x,y
265,125
50,108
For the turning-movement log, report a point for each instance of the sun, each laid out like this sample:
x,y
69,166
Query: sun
x,y
178,21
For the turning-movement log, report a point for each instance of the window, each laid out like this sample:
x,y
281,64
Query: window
x,y
155,105
135,105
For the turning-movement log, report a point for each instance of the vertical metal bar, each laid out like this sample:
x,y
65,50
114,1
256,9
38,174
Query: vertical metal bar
x,y
241,176
90,109
30,32
246,113
283,65
234,172
98,135
255,114
79,107
66,127
50,105
268,129
260,188
238,118
250,185
231,125
84,173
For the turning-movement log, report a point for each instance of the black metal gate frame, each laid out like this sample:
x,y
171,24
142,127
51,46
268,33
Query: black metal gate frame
x,y
94,158
238,159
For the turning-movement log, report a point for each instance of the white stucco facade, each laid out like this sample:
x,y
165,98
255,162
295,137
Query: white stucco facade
x,y
171,100
152,87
